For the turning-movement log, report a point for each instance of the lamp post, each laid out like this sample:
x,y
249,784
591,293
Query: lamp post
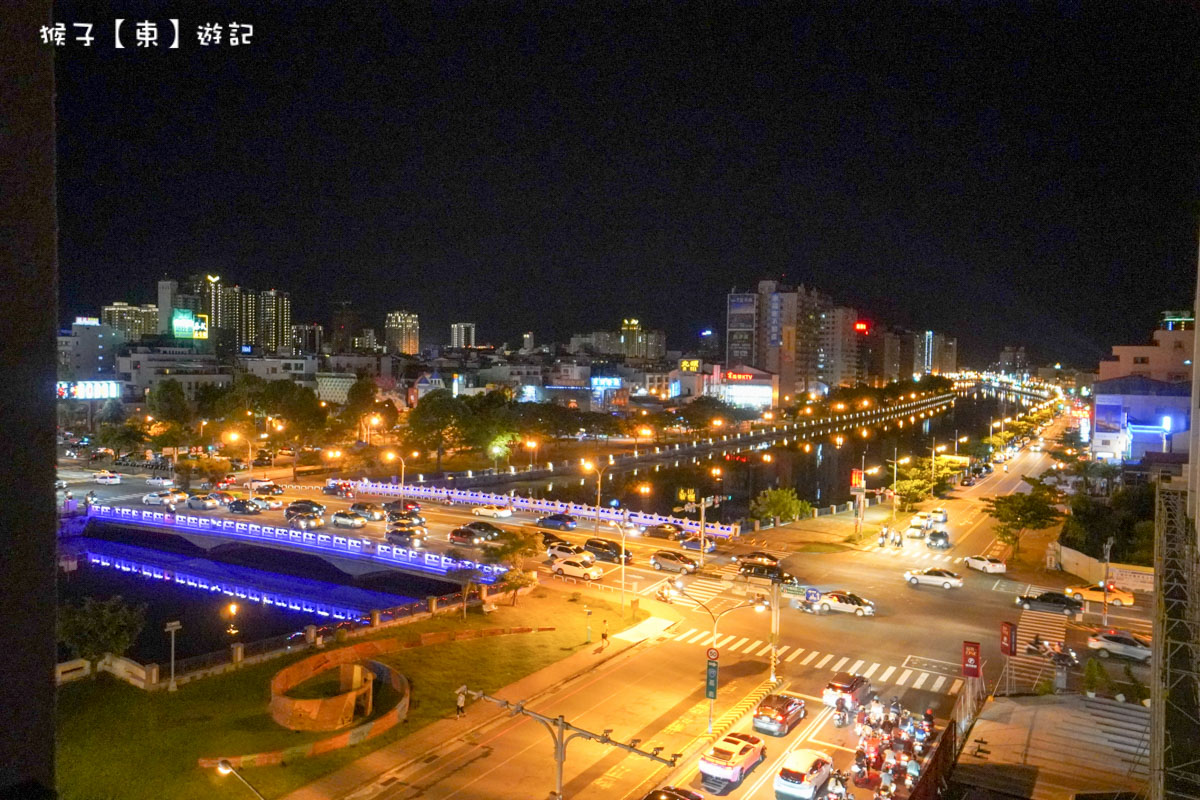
x,y
390,456
531,445
589,466
759,604
171,628
233,437
226,768
895,462
373,422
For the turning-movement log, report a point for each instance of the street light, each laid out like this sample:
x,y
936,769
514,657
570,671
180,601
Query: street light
x,y
171,628
588,466
233,436
391,456
895,461
373,422
531,446
496,451
759,604
226,768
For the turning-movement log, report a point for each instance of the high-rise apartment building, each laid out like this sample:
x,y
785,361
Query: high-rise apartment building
x,y
133,322
275,321
527,344
462,334
167,291
365,340
402,333
638,342
777,328
837,354
307,339
345,325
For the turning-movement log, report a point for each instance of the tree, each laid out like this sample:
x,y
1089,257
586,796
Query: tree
x,y
168,402
912,491
466,577
112,412
123,439
95,627
1020,512
779,503
435,424
511,549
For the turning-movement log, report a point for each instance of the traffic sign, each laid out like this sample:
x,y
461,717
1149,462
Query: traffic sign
x,y
1008,638
970,659
710,682
713,654
812,595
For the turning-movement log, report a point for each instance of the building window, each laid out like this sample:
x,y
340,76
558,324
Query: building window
x,y
1141,359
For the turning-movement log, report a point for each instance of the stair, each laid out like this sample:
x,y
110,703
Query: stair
x,y
1125,727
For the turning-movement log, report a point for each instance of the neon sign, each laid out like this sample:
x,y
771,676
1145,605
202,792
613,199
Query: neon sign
x,y
738,376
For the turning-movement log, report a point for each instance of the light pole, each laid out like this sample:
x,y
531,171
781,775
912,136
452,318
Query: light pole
x,y
933,451
373,422
233,437
171,628
225,768
390,456
759,604
496,450
895,462
589,466
531,445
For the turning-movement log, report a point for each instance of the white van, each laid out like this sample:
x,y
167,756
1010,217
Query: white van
x,y
254,483
108,478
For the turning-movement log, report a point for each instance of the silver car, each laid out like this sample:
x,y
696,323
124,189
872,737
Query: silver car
x,y
934,576
202,502
347,519
1120,643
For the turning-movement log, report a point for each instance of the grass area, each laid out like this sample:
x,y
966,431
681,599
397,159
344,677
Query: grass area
x,y
821,547
116,742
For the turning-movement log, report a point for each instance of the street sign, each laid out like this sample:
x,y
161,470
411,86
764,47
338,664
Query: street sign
x,y
1008,639
710,683
856,480
713,654
812,595
970,659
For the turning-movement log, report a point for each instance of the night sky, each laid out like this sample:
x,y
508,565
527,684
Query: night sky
x,y
1008,177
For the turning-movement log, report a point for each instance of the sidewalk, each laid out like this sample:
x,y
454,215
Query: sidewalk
x,y
446,732
828,529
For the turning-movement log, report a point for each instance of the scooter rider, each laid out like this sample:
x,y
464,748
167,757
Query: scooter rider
x,y
895,707
914,771
876,711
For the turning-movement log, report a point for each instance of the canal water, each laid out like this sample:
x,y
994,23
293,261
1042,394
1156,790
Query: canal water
x,y
818,469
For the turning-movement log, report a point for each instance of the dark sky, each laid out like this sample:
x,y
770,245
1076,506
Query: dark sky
x,y
1006,176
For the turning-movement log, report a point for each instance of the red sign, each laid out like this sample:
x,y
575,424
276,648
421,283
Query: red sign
x,y
1008,639
856,479
970,660
861,327
738,376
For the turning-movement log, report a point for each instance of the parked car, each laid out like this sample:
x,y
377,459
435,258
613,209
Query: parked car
x,y
665,530
568,550
369,511
240,506
608,551
693,543
847,602
934,576
263,461
854,689
160,481
338,489
676,562
561,522
777,714
803,775
305,521
1055,602
218,484
202,502
757,557
107,478
986,564
968,480
254,483
348,519
1120,643
577,568
492,510
1095,594
732,757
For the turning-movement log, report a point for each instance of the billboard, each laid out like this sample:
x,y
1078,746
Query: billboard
x,y
186,324
1008,638
88,390
970,660
689,365
1108,418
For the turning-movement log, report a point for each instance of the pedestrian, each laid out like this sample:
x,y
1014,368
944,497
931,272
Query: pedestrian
x,y
460,703
604,636
882,537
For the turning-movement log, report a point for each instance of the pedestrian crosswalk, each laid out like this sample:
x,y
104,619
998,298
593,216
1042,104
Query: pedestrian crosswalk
x,y
913,554
880,675
699,590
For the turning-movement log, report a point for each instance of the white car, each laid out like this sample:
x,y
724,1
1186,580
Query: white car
x,y
107,478
265,503
934,576
732,757
577,568
804,774
558,550
939,515
169,497
921,519
847,602
986,564
254,483
914,532
160,482
492,510
1120,643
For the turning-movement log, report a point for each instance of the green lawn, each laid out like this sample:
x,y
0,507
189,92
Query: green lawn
x,y
120,743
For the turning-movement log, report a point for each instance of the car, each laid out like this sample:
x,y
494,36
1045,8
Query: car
x,y
549,538
1095,594
989,564
757,557
401,505
766,574
568,550
263,461
913,532
240,506
396,515
630,528
665,530
486,531
1056,602
107,478
163,498
577,568
939,514
464,536
731,757
777,714
492,510
338,489
968,480
254,483
561,522
160,481
306,521
804,774
220,483
855,690
934,576
303,507
60,484
937,540
224,498
672,793
286,451
609,551
1120,643
268,489
348,519
202,502
676,562
406,535
370,511
922,519
266,503
847,602
693,543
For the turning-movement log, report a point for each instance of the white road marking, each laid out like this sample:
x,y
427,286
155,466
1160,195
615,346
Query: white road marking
x,y
920,681
723,641
841,663
739,643
764,651
903,677
887,674
954,687
825,660
938,683
684,635
870,670
750,648
698,636
857,666
795,653
781,650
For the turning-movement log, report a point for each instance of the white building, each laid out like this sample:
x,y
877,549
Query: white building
x,y
462,334
145,367
89,349
748,387
274,368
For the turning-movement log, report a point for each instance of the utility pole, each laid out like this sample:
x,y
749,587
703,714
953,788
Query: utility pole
x,y
1107,554
562,732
